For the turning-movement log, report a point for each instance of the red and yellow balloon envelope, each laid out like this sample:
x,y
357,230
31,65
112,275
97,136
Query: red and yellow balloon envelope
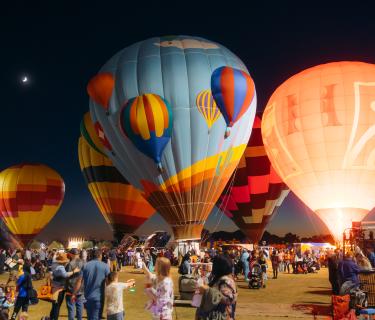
x,y
30,195
122,206
255,193
319,132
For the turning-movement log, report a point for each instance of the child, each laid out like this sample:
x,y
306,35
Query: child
x,y
7,296
159,288
113,296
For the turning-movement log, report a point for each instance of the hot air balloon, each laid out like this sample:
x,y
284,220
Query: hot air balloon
x,y
208,107
233,90
147,121
319,133
196,162
121,205
30,195
255,192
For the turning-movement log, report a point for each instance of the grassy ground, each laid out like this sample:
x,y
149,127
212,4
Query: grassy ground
x,y
290,296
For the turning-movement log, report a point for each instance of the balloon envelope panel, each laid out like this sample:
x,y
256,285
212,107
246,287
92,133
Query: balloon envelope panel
x,y
121,205
318,129
197,160
255,192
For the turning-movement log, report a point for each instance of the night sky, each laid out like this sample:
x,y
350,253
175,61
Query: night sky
x,y
61,46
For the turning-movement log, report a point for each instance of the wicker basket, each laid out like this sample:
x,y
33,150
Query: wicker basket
x,y
367,281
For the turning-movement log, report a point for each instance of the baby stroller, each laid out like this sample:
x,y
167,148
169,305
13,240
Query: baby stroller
x,y
256,276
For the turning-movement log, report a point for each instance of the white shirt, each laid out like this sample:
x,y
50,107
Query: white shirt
x,y
113,296
42,255
28,254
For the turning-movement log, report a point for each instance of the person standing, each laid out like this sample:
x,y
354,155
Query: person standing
x,y
245,263
219,297
159,289
114,296
43,256
275,263
59,277
84,256
27,254
333,272
281,260
287,261
95,273
74,287
24,284
112,256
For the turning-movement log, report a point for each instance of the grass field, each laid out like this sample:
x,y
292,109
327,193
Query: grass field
x,y
290,296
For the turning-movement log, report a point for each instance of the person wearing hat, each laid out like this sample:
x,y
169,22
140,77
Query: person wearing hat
x,y
59,277
74,286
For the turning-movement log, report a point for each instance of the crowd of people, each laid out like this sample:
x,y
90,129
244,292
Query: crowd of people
x,y
84,279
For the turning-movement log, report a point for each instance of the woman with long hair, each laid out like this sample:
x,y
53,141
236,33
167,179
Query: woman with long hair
x,y
159,288
219,297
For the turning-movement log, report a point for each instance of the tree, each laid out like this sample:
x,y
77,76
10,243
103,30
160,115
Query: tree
x,y
290,238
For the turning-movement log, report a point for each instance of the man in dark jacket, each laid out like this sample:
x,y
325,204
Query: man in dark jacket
x,y
333,272
349,270
74,287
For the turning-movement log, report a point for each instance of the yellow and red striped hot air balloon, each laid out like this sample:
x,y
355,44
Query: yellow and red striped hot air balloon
x,y
207,107
30,195
122,205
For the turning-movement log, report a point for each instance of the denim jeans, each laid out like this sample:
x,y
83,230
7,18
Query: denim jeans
x,y
116,316
93,308
55,311
74,307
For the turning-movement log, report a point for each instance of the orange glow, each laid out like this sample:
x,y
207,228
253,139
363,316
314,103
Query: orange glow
x,y
319,132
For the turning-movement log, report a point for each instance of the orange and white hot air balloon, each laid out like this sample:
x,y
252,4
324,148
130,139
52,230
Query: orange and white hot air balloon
x,y
319,132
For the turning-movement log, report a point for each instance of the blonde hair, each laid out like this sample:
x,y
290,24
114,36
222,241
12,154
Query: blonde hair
x,y
162,267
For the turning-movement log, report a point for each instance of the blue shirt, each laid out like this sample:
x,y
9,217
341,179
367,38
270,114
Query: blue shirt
x,y
59,276
22,286
94,275
349,271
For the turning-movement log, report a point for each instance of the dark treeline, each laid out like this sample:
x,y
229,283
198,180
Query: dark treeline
x,y
269,238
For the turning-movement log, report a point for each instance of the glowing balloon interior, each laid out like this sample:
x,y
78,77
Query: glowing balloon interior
x,y
319,133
